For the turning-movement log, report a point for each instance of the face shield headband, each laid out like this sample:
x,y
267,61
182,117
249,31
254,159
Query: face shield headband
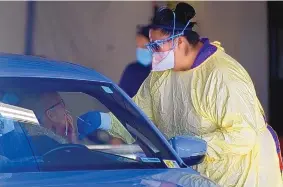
x,y
156,45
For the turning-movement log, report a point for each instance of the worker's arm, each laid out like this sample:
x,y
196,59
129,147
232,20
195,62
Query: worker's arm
x,y
229,103
109,122
144,101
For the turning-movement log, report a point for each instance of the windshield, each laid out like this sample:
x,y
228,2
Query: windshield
x,y
62,128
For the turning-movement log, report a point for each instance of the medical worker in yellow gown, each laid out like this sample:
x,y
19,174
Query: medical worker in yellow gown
x,y
196,89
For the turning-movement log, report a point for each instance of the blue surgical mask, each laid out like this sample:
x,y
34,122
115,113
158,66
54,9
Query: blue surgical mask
x,y
144,56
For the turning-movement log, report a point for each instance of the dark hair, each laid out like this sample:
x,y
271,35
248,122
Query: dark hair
x,y
143,30
164,20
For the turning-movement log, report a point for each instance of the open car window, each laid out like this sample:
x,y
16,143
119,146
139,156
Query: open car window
x,y
48,131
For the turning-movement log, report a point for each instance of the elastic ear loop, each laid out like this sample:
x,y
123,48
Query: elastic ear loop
x,y
182,33
174,25
186,26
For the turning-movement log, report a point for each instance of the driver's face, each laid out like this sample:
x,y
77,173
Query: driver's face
x,y
57,111
60,121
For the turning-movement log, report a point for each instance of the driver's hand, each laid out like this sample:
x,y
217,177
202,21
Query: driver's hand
x,y
72,135
70,120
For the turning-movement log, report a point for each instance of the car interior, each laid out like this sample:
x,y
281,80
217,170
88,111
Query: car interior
x,y
32,147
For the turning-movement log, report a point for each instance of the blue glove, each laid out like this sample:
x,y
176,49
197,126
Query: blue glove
x,y
88,123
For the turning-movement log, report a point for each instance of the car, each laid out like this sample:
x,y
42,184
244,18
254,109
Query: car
x,y
34,152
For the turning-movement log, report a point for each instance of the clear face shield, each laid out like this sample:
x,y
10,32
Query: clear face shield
x,y
164,49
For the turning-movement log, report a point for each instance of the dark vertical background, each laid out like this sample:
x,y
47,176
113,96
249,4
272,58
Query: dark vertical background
x,y
275,27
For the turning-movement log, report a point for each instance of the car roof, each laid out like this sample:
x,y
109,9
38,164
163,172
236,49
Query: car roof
x,y
14,65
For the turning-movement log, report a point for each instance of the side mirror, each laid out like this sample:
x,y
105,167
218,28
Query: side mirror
x,y
192,150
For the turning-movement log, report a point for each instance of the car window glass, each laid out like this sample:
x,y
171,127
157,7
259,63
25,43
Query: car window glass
x,y
15,148
51,139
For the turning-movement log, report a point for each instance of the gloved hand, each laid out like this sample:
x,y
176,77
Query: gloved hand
x,y
91,121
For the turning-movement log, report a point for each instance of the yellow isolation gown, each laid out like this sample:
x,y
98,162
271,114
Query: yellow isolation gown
x,y
216,101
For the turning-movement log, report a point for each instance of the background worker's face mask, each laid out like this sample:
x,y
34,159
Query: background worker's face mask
x,y
162,61
144,56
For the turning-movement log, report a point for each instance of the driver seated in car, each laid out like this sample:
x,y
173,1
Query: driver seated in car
x,y
51,113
